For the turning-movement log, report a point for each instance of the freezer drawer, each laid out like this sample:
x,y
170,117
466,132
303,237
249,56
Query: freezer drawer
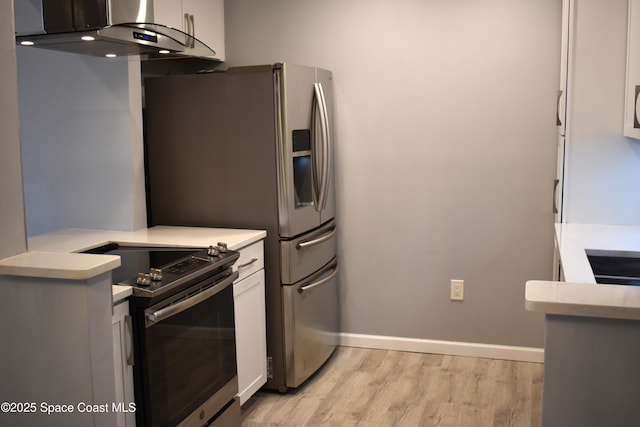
x,y
311,323
308,253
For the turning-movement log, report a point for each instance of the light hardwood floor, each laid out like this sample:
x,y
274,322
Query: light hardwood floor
x,y
365,387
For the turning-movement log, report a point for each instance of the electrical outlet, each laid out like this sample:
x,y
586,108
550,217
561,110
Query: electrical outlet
x,y
457,290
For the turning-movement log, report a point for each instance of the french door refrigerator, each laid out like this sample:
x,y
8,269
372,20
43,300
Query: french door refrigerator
x,y
251,147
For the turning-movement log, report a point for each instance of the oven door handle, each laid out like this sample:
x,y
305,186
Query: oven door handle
x,y
172,310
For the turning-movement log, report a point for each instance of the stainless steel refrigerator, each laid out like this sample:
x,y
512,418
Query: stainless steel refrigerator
x,y
251,147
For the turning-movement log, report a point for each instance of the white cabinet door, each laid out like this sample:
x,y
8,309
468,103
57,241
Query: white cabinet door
x,y
208,23
204,19
563,105
123,363
565,52
251,338
631,113
169,13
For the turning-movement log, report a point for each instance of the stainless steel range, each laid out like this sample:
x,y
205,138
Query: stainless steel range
x,y
185,370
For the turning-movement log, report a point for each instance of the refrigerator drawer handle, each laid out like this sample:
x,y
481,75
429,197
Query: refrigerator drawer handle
x,y
247,264
323,238
320,282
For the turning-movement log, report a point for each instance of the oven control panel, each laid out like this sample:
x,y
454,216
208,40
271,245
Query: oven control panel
x,y
186,265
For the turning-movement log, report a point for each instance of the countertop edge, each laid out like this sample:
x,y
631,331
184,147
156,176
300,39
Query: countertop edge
x,y
56,255
58,265
121,293
77,240
583,299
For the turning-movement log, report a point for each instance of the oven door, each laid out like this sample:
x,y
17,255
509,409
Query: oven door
x,y
185,369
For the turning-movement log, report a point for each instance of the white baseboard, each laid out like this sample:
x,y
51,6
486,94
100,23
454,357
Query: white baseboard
x,y
490,351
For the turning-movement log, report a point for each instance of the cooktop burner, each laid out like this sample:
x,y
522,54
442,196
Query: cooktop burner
x,y
154,271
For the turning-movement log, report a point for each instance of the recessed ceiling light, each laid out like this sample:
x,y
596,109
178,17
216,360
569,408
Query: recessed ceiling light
x,y
88,38
27,43
111,55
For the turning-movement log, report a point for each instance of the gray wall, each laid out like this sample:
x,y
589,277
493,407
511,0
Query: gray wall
x,y
12,223
445,153
81,129
603,167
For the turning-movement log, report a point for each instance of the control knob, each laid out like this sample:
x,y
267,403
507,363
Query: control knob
x,y
143,279
155,274
213,251
222,246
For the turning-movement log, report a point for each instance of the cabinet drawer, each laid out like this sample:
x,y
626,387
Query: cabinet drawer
x,y
251,260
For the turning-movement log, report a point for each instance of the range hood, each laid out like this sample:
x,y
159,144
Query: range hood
x,y
105,28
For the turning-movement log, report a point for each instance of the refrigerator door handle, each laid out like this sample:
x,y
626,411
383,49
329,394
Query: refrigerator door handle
x,y
324,121
327,150
316,141
320,148
323,238
320,282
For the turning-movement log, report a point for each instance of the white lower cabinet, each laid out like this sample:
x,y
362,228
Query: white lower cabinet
x,y
123,362
251,338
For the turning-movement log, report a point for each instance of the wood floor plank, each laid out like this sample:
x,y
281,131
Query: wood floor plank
x,y
368,387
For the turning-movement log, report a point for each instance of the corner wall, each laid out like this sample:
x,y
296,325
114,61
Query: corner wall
x,y
82,150
12,218
445,153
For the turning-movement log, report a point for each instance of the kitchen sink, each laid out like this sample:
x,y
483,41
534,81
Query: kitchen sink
x,y
615,267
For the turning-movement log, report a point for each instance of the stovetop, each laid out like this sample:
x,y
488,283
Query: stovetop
x,y
156,271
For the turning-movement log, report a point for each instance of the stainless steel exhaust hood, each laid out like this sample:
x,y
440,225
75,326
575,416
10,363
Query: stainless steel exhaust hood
x,y
110,28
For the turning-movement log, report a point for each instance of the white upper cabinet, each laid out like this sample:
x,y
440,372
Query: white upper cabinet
x,y
203,19
631,110
565,51
563,105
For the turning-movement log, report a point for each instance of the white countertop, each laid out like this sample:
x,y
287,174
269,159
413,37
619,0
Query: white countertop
x,y
574,240
58,265
55,255
78,240
579,295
